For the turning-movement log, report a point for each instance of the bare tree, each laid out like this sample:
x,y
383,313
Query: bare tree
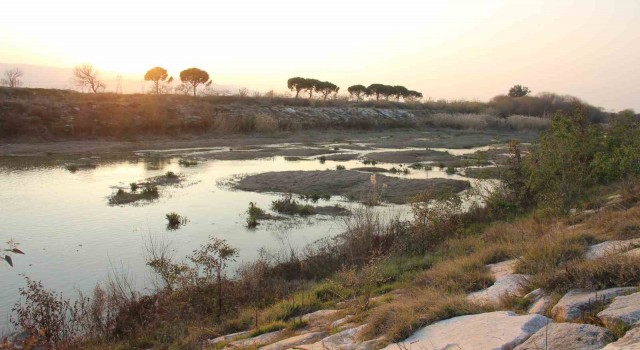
x,y
12,77
85,75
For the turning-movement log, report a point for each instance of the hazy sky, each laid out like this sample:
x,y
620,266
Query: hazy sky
x,y
469,49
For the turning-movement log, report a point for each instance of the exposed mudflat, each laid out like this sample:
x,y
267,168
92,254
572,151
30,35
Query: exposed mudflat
x,y
412,156
349,183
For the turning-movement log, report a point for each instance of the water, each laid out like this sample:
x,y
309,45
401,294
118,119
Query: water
x,y
73,239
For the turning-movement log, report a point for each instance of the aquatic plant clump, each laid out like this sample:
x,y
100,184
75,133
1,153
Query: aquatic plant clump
x,y
121,196
288,205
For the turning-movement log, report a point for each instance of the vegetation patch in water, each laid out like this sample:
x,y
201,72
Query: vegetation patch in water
x,y
148,193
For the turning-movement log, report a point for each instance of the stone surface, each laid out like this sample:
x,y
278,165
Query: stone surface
x,y
340,322
493,330
576,301
345,340
630,341
539,301
258,341
305,338
603,249
568,336
622,310
226,338
502,269
633,252
319,317
506,286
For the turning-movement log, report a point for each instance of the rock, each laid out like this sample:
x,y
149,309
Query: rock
x,y
573,304
622,310
341,322
630,341
493,330
258,341
568,336
603,249
503,269
319,317
539,300
371,344
506,286
226,338
345,340
633,252
305,338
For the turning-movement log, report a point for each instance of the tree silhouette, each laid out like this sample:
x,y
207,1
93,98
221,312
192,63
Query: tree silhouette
x,y
377,90
357,91
311,85
85,75
400,91
519,91
326,88
156,75
195,77
12,77
296,84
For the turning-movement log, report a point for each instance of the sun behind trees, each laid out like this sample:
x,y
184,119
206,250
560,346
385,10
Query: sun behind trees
x,y
195,77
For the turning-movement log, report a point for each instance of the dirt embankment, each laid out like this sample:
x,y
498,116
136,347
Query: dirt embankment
x,y
352,184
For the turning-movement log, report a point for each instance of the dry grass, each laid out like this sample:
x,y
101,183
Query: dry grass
x,y
460,275
614,271
475,121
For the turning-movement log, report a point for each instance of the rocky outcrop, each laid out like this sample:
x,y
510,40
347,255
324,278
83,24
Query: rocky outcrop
x,y
345,340
493,330
623,310
502,269
228,337
539,301
257,341
573,305
304,338
320,317
568,336
506,286
607,248
630,341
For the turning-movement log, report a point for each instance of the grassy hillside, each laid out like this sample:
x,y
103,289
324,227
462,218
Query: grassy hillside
x,y
61,114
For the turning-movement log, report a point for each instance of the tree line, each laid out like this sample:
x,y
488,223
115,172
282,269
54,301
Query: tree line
x,y
357,92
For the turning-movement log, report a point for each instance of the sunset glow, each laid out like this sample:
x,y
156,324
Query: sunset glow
x,y
446,49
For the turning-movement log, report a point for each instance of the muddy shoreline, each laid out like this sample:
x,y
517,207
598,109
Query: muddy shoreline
x,y
432,138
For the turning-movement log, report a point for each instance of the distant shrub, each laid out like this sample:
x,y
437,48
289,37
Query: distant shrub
x,y
340,167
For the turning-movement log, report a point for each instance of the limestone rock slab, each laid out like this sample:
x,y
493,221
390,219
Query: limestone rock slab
x,y
505,286
503,268
304,338
257,341
630,341
573,304
607,248
345,340
568,336
622,310
492,330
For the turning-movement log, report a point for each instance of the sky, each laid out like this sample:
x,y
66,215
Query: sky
x,y
457,49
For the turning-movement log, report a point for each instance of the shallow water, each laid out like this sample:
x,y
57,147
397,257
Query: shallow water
x,y
73,238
